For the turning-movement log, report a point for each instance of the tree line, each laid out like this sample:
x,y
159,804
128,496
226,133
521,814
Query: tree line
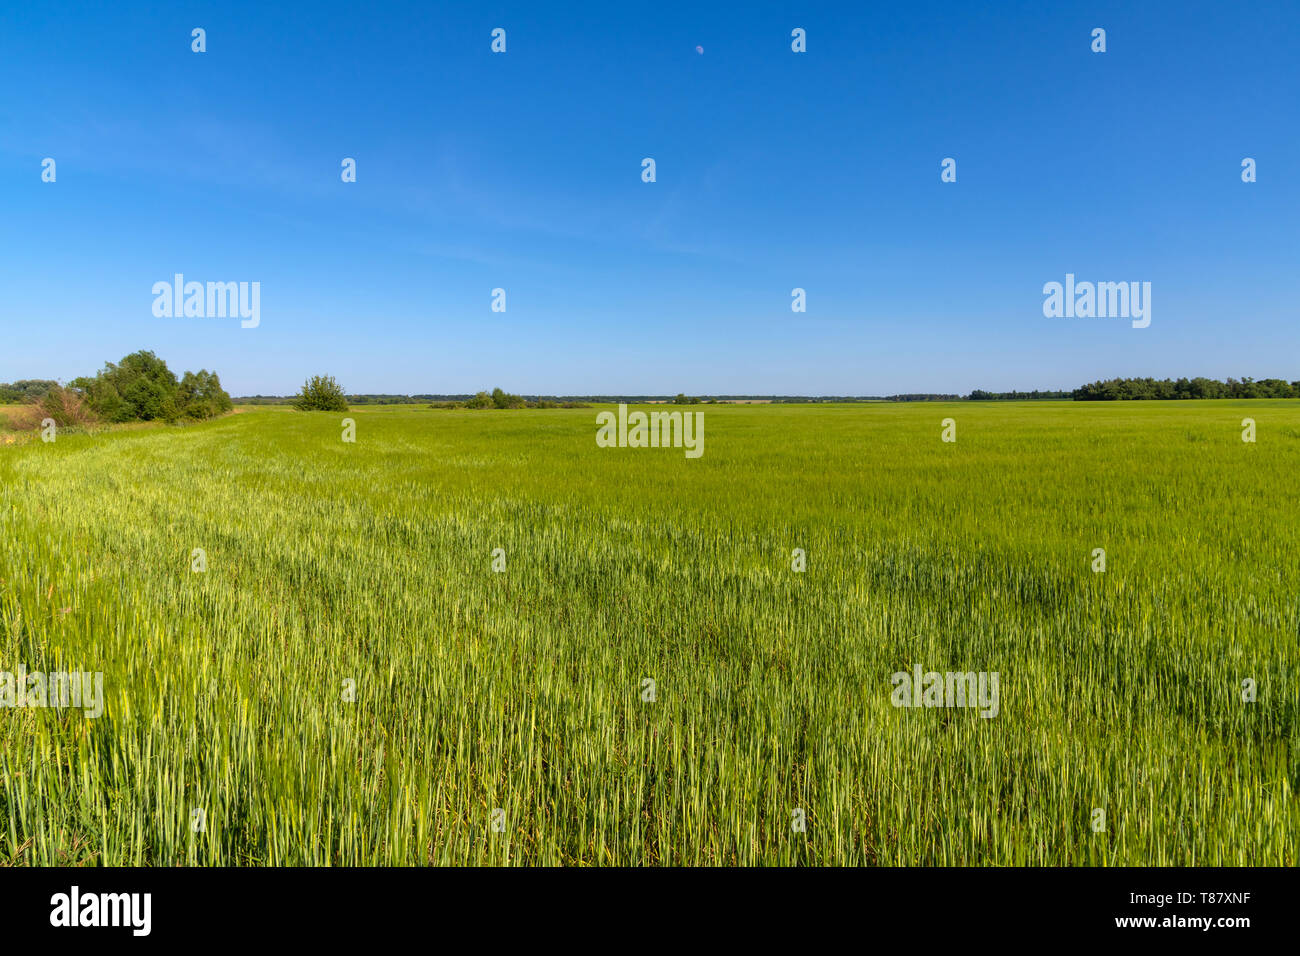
x,y
25,390
139,388
979,395
142,388
1125,389
499,398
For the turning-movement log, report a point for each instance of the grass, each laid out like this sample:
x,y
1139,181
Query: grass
x,y
6,424
474,690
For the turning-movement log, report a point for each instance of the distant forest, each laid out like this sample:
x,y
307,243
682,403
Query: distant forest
x,y
1121,389
1115,389
1110,390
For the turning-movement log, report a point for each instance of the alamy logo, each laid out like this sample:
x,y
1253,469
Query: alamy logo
x,y
656,430
1102,300
58,689
215,300
103,909
953,689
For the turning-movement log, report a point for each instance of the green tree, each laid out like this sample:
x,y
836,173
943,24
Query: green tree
x,y
505,400
321,393
25,390
200,395
139,388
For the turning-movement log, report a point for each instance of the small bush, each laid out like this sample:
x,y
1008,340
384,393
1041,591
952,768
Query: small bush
x,y
321,393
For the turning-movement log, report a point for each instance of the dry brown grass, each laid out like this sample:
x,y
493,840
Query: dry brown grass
x,y
67,408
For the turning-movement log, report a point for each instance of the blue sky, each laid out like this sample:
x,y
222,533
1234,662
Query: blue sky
x,y
775,170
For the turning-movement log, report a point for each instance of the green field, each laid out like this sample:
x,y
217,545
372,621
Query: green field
x,y
371,562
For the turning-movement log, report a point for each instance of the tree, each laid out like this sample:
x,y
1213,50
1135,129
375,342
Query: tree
x,y
25,390
321,393
139,388
1124,389
200,395
505,400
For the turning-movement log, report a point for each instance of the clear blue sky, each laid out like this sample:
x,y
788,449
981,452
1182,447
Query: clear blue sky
x,y
775,170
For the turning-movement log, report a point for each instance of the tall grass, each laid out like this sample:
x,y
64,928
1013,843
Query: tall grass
x,y
521,690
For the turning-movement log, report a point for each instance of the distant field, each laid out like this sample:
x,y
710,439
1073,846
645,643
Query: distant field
x,y
521,690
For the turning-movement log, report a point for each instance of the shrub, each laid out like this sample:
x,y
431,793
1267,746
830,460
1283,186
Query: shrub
x,y
66,407
321,393
200,396
505,400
